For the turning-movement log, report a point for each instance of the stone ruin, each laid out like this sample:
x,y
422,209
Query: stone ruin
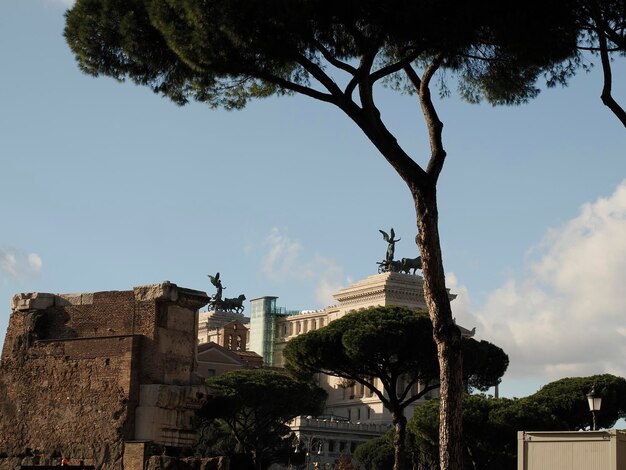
x,y
99,378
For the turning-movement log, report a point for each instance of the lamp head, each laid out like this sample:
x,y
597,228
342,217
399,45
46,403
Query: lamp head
x,y
594,400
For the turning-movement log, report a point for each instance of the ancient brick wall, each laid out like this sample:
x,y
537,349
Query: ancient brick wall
x,y
73,367
74,398
97,314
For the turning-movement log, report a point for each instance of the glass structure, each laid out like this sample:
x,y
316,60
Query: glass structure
x,y
263,313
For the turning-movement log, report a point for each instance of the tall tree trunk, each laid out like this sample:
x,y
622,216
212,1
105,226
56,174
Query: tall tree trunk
x,y
423,187
603,32
399,438
446,334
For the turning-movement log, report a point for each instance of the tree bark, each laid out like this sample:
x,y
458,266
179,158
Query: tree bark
x,y
399,423
606,96
445,332
422,185
604,33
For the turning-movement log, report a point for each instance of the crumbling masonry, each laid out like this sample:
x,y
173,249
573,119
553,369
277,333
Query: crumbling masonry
x,y
90,376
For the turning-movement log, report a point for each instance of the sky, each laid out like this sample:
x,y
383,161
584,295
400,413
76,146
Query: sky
x,y
106,186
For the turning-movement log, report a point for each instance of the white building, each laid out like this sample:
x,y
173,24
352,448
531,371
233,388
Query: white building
x,y
271,328
353,414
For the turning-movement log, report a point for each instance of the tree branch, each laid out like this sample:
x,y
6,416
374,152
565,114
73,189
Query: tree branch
x,y
606,96
367,117
413,77
597,49
320,76
395,67
332,59
365,86
350,87
307,91
617,39
414,398
372,388
434,124
406,390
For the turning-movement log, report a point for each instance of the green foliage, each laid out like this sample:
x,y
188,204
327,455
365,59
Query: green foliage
x,y
389,350
566,398
483,364
254,405
423,428
490,430
393,344
491,425
384,342
215,438
224,52
376,454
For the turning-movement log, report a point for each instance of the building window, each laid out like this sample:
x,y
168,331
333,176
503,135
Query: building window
x,y
238,342
358,413
349,414
331,446
369,412
230,341
352,447
321,322
313,324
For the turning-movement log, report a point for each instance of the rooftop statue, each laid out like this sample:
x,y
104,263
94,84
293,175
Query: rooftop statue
x,y
215,280
392,244
217,303
405,265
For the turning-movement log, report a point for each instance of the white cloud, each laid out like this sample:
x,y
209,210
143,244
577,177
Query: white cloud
x,y
17,265
461,304
568,315
285,261
281,260
329,280
34,262
9,264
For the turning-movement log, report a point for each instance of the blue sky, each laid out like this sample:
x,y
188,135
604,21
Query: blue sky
x,y
106,186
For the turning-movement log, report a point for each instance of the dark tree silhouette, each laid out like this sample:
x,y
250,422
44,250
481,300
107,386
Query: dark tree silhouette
x,y
390,350
226,52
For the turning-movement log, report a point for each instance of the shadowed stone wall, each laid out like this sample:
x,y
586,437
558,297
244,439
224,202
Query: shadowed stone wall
x,y
73,368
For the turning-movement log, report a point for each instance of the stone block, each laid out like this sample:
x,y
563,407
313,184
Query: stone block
x,y
164,291
135,455
64,300
32,301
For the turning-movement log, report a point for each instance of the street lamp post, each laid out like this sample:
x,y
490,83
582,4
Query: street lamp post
x,y
311,442
595,402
